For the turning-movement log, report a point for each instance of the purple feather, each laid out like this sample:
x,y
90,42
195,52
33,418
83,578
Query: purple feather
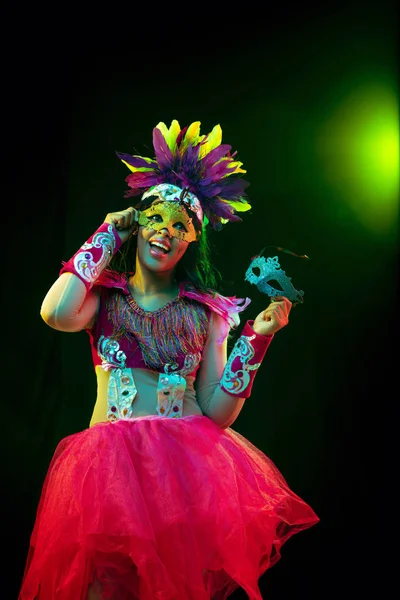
x,y
234,188
164,156
209,178
218,171
137,161
215,155
142,179
189,159
186,182
222,210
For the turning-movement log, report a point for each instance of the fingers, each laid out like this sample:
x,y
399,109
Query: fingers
x,y
123,219
282,301
278,310
276,315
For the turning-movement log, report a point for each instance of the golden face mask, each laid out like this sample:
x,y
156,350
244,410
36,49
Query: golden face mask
x,y
171,216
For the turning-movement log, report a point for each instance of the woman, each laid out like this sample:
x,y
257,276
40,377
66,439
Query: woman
x,y
159,497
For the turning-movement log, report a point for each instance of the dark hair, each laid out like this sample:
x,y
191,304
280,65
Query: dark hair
x,y
195,266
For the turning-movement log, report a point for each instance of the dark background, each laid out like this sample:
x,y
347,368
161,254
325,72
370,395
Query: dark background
x,y
324,402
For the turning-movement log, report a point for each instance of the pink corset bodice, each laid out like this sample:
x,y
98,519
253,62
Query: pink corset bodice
x,y
171,338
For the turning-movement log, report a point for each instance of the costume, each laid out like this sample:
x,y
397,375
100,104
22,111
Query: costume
x,y
166,505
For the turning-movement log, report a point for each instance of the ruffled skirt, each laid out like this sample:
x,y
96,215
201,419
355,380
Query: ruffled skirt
x,y
156,508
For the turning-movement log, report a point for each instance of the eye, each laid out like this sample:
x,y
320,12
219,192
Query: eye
x,y
180,226
155,218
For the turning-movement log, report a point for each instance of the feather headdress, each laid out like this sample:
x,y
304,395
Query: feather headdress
x,y
200,164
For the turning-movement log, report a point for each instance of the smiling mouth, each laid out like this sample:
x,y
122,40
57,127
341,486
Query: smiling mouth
x,y
158,250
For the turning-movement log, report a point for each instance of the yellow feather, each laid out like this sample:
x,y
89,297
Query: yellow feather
x,y
192,133
170,134
238,169
192,136
164,129
174,131
138,169
238,206
214,139
233,163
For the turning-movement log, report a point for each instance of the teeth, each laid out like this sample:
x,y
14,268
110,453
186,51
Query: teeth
x,y
160,246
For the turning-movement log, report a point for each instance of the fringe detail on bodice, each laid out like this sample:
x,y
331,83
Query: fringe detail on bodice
x,y
166,335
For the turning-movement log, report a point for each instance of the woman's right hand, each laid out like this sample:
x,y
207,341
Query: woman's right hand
x,y
124,221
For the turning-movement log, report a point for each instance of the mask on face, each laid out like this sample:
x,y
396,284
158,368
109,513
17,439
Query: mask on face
x,y
168,192
170,214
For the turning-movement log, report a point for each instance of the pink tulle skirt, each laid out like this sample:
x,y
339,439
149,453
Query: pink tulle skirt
x,y
156,508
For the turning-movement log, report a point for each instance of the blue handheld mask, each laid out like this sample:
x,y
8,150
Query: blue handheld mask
x,y
262,272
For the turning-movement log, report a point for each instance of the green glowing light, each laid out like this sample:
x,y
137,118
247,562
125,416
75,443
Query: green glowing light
x,y
361,154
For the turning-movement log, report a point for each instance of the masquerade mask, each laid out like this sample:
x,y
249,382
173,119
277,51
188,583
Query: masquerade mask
x,y
166,192
269,272
171,216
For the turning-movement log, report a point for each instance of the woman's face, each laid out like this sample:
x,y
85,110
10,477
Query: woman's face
x,y
158,250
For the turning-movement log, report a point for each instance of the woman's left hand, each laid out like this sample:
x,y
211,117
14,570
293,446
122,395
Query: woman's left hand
x,y
274,317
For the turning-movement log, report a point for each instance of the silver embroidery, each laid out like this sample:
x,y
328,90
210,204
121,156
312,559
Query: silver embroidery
x,y
172,385
110,354
121,385
122,389
190,363
236,382
84,263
